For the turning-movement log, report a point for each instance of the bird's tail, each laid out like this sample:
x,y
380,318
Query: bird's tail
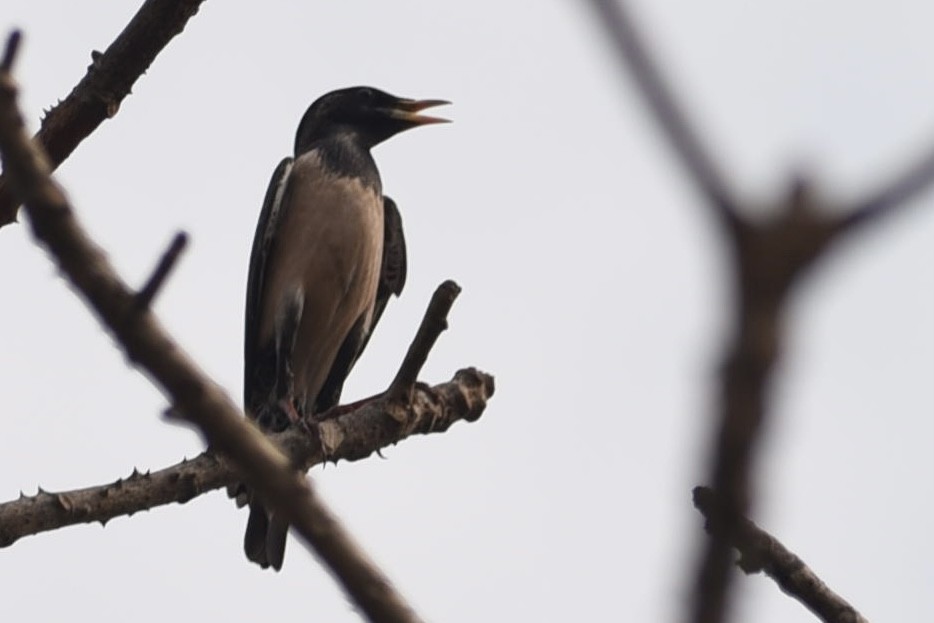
x,y
264,540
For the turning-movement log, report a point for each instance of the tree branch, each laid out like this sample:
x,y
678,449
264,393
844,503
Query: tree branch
x,y
897,192
769,259
162,271
10,50
193,395
685,140
433,324
352,436
109,80
760,551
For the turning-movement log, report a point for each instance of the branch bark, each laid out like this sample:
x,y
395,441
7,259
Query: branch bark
x,y
109,80
433,324
760,551
893,195
352,436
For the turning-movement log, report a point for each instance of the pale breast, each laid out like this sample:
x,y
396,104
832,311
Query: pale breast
x,y
329,246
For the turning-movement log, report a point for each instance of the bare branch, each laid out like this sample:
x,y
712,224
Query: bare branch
x,y
895,194
633,51
760,551
166,263
769,259
109,80
193,395
10,50
433,324
352,436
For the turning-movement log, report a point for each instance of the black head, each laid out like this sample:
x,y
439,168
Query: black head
x,y
369,114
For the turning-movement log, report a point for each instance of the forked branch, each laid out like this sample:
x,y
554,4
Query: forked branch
x,y
769,259
193,395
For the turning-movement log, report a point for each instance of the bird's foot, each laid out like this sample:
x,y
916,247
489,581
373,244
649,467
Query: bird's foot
x,y
287,407
296,417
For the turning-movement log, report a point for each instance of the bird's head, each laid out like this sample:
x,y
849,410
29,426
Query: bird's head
x,y
369,114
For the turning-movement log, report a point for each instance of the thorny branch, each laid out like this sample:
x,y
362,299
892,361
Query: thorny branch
x,y
194,396
110,78
352,436
768,260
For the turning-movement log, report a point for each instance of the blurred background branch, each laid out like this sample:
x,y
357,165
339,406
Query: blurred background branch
x,y
760,551
768,257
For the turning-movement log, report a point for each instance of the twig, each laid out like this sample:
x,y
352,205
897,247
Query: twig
x,y
760,551
193,395
166,263
661,102
896,193
353,436
109,80
9,52
433,324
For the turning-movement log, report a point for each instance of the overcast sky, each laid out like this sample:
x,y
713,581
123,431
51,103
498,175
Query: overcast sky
x,y
594,290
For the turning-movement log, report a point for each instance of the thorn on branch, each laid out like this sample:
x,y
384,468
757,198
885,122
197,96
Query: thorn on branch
x,y
96,56
433,324
166,263
9,52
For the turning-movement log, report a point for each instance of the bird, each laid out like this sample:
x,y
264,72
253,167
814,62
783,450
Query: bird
x,y
327,255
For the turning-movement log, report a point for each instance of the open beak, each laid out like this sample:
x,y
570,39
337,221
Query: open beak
x,y
407,110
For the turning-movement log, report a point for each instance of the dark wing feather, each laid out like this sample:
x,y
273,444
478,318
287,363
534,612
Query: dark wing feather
x,y
392,274
259,366
391,281
259,361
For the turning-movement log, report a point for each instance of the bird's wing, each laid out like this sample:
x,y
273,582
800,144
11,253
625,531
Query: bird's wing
x,y
259,374
391,281
392,273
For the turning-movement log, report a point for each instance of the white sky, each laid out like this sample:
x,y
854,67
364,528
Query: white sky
x,y
594,290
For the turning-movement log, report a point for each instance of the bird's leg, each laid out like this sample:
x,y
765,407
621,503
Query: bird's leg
x,y
287,406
